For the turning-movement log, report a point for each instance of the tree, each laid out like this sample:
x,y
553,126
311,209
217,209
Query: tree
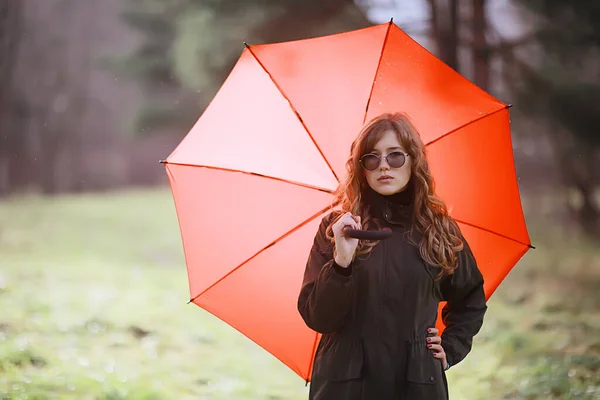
x,y
481,49
44,76
10,141
445,26
190,46
564,88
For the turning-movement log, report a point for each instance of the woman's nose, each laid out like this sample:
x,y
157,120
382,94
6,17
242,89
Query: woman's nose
x,y
384,166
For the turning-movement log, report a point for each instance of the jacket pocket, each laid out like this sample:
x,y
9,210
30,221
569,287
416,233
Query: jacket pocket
x,y
421,366
341,359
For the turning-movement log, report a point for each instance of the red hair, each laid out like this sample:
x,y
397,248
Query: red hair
x,y
440,238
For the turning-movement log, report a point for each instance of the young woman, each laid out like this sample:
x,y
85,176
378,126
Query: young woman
x,y
376,302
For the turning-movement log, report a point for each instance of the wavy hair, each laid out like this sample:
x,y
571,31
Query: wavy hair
x,y
440,239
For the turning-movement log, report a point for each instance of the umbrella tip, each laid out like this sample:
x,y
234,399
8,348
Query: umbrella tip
x,y
162,161
246,45
531,246
509,105
391,20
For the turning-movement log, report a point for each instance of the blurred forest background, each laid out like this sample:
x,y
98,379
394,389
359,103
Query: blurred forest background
x,y
94,93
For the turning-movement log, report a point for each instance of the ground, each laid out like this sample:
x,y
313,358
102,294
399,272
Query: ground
x,y
93,293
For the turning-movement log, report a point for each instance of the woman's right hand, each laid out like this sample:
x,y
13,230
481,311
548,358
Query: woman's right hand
x,y
345,246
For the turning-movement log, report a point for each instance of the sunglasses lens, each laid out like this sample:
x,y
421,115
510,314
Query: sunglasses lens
x,y
396,159
370,162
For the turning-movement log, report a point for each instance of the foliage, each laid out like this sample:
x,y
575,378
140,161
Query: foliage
x,y
189,46
186,48
566,88
560,87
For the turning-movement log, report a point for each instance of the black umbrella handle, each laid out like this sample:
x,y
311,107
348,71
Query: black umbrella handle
x,y
367,235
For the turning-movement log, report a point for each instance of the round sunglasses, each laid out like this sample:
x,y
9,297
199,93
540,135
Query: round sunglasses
x,y
371,162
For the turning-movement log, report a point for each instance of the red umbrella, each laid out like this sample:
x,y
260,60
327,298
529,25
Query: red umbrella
x,y
254,176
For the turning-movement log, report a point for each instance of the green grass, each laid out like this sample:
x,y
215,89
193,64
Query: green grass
x,y
93,293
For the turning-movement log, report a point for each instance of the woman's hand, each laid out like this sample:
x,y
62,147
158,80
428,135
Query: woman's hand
x,y
345,246
434,343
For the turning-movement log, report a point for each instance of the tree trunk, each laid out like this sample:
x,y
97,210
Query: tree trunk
x,y
78,88
49,93
576,165
48,179
10,149
582,179
444,23
481,51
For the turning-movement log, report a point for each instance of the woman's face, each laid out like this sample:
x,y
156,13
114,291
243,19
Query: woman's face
x,y
384,179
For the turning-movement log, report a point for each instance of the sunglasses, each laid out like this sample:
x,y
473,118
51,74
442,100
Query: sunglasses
x,y
371,162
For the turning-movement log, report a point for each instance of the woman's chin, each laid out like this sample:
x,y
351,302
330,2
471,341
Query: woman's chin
x,y
389,188
386,190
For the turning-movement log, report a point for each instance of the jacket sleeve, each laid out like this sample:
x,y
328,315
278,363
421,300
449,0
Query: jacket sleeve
x,y
466,305
326,293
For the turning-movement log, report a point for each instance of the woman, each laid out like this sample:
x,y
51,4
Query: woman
x,y
376,303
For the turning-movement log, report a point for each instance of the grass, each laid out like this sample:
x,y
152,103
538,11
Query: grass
x,y
93,293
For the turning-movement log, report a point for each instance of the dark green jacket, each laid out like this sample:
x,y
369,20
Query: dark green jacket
x,y
375,314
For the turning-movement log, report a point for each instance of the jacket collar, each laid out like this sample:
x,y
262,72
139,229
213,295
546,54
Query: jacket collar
x,y
396,209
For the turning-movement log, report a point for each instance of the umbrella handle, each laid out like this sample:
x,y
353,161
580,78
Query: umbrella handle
x,y
367,235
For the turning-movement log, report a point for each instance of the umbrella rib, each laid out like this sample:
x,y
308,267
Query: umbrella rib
x,y
387,34
294,110
506,107
300,225
494,233
253,174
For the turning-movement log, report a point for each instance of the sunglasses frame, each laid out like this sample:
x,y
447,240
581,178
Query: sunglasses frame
x,y
379,158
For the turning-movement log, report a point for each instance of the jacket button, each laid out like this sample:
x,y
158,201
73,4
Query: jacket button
x,y
432,378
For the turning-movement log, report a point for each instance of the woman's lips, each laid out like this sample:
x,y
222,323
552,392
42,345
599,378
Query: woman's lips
x,y
385,178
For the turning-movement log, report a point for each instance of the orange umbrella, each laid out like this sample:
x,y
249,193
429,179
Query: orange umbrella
x,y
255,175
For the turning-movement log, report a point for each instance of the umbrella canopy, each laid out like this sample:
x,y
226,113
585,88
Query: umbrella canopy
x,y
256,173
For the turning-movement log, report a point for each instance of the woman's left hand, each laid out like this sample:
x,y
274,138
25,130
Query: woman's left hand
x,y
434,343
